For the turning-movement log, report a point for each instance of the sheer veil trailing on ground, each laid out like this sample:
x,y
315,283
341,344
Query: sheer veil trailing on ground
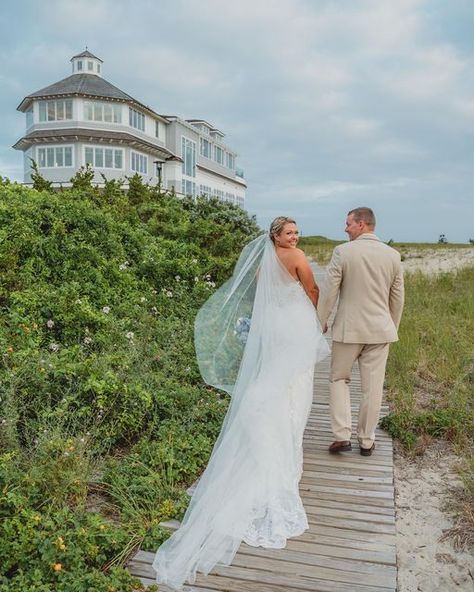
x,y
258,338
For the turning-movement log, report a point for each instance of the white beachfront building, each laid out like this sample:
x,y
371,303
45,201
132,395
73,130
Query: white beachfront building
x,y
86,119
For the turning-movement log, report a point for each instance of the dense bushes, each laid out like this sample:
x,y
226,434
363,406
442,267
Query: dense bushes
x,y
104,419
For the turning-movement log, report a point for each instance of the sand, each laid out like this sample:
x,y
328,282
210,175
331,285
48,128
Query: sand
x,y
425,486
437,260
423,489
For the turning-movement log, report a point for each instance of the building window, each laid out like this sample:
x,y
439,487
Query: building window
x,y
188,154
79,65
139,163
58,156
55,110
90,66
205,190
188,187
230,160
29,118
157,129
218,193
218,155
230,197
205,148
239,201
136,119
101,111
107,158
98,68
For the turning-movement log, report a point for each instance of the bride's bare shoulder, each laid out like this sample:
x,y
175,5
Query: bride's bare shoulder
x,y
298,254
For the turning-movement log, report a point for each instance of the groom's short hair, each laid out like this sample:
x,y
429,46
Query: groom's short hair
x,y
363,215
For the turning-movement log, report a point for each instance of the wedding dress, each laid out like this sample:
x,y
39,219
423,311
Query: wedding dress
x,y
258,338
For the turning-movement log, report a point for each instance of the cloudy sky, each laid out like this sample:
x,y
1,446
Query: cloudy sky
x,y
330,104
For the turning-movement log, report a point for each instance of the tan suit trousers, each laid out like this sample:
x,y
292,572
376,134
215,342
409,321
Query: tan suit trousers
x,y
372,361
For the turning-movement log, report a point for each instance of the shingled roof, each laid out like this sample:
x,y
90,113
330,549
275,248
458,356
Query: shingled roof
x,y
86,54
89,85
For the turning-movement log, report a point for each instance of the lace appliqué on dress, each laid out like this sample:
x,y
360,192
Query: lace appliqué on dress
x,y
284,516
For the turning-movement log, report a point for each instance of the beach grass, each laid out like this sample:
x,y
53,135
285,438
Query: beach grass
x,y
430,379
430,372
318,248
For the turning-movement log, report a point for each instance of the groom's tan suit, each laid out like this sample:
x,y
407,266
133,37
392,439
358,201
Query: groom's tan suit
x,y
366,275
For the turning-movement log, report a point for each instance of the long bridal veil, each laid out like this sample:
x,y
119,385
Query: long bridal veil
x,y
258,338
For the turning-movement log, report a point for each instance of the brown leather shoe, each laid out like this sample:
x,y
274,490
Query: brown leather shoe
x,y
367,451
340,446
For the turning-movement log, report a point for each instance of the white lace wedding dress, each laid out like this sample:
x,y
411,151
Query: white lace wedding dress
x,y
249,490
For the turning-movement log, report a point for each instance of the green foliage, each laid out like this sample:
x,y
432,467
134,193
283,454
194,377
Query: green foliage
x,y
39,182
100,397
318,248
83,178
42,548
430,372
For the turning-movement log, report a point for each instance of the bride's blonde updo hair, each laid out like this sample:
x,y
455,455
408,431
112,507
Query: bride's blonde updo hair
x,y
277,226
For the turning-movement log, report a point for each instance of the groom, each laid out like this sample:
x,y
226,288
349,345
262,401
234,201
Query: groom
x,y
366,275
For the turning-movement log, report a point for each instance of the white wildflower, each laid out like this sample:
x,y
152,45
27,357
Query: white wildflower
x,y
54,347
50,324
123,266
143,299
177,278
106,309
130,335
154,310
87,340
194,260
169,294
196,279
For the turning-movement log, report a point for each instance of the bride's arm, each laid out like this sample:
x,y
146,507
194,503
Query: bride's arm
x,y
306,277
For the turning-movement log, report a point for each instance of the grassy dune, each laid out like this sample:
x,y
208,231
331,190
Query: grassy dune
x,y
318,248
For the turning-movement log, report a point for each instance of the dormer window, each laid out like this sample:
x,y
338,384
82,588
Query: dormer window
x,y
90,66
79,65
98,68
136,119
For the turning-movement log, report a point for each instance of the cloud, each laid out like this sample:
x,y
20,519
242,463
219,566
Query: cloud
x,y
328,103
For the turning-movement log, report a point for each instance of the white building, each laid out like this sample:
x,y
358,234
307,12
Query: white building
x,y
86,119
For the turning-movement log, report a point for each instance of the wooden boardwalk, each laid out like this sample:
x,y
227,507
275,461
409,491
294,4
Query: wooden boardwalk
x,y
349,499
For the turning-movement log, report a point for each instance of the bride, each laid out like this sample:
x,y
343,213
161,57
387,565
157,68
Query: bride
x,y
258,338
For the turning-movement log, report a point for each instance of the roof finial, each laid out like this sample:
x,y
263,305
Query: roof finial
x,y
87,48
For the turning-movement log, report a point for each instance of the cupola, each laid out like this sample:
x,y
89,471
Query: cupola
x,y
86,63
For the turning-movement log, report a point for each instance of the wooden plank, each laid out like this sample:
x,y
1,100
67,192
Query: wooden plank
x,y
256,580
355,506
338,512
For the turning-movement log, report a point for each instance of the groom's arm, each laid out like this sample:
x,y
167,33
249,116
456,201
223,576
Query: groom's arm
x,y
397,297
331,287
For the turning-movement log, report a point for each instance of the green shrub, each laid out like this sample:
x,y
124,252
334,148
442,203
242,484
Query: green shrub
x,y
104,420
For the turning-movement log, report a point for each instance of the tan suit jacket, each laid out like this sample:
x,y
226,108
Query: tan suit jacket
x,y
366,274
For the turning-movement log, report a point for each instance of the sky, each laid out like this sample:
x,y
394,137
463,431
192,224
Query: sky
x,y
330,104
